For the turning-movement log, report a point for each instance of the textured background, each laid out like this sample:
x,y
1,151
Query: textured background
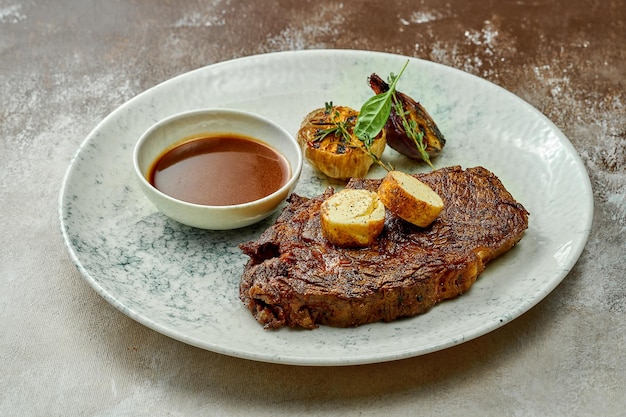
x,y
65,65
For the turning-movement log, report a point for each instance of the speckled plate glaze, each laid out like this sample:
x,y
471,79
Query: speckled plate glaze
x,y
183,282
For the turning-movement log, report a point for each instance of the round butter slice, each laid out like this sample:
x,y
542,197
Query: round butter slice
x,y
410,199
352,218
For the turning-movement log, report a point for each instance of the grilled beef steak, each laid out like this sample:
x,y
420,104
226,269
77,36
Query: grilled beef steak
x,y
294,277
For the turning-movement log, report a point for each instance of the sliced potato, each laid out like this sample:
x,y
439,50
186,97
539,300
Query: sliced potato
x,y
352,218
329,144
409,198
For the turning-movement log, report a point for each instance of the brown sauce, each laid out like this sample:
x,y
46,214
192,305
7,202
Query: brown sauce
x,y
220,170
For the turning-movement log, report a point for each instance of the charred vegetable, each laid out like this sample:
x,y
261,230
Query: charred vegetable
x,y
409,130
328,142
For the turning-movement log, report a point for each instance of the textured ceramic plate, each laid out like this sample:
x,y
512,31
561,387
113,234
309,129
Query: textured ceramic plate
x,y
183,282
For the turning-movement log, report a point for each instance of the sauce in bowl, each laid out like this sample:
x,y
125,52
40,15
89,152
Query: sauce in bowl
x,y
220,170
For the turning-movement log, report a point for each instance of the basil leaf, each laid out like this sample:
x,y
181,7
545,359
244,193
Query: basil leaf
x,y
373,116
375,112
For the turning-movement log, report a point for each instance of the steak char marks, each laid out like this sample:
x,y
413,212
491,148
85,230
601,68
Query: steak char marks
x,y
296,278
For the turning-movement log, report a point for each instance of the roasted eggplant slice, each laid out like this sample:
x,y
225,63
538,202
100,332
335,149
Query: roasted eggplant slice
x,y
395,132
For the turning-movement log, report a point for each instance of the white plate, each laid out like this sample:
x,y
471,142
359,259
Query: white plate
x,y
184,282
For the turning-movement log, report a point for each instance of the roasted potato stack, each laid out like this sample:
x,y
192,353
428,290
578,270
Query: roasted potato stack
x,y
329,144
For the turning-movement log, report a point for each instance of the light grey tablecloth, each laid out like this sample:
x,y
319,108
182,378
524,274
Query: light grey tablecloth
x,y
65,351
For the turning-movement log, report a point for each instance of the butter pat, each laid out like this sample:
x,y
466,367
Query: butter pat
x,y
410,199
352,218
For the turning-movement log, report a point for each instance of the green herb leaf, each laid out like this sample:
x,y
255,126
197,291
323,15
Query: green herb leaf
x,y
373,116
375,111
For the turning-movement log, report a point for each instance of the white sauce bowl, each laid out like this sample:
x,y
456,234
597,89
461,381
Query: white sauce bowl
x,y
172,131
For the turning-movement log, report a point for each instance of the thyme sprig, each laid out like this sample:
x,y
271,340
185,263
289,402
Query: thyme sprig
x,y
340,128
411,129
